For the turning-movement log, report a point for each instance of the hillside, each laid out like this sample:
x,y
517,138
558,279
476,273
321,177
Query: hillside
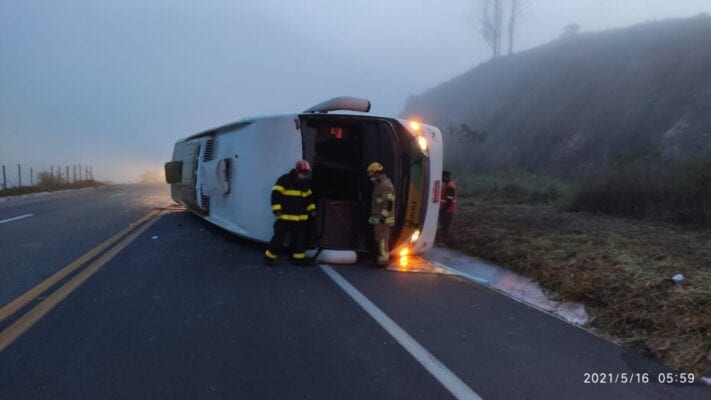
x,y
577,105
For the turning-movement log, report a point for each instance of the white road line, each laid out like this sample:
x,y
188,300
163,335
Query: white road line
x,y
117,194
447,378
16,218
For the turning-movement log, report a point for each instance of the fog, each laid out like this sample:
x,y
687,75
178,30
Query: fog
x,y
114,84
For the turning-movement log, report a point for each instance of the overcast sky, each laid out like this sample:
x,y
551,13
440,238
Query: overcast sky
x,y
115,83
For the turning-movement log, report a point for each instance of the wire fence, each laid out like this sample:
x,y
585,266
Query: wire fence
x,y
21,176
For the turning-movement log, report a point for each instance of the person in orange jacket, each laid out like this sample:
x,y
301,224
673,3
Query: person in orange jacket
x,y
447,205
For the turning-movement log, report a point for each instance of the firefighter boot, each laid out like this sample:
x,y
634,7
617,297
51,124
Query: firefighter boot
x,y
269,258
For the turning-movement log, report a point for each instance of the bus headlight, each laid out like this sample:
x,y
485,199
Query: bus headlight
x,y
423,143
415,236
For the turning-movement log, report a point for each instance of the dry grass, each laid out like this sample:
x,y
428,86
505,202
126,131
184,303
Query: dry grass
x,y
620,269
16,191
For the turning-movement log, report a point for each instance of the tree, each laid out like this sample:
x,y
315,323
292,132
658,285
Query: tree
x,y
517,7
570,31
488,17
489,20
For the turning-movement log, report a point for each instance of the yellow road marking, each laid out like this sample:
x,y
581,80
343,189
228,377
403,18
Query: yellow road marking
x,y
12,307
20,326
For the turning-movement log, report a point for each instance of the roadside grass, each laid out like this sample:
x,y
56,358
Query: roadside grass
x,y
16,191
619,268
515,188
678,192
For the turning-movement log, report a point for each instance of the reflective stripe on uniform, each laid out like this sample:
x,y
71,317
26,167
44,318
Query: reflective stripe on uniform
x,y
385,213
270,254
383,257
390,196
378,200
306,193
311,206
390,221
287,217
276,207
286,192
299,256
373,220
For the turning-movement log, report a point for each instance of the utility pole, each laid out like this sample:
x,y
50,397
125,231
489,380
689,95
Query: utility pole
x,y
19,175
80,173
4,179
75,173
67,176
32,177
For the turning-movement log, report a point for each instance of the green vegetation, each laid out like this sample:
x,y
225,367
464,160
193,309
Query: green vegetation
x,y
678,192
514,188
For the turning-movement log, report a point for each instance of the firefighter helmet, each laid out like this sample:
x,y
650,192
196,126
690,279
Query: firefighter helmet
x,y
303,166
374,168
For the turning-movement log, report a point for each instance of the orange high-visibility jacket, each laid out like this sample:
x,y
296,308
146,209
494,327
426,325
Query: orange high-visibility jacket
x,y
448,200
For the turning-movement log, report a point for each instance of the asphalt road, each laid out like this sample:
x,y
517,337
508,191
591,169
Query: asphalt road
x,y
186,310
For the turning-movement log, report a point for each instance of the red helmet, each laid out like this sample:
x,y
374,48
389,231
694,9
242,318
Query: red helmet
x,y
303,166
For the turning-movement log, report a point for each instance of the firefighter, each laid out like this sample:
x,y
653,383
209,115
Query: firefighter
x,y
293,205
382,211
448,204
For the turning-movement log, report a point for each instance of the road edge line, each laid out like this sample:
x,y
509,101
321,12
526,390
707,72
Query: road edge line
x,y
436,368
17,218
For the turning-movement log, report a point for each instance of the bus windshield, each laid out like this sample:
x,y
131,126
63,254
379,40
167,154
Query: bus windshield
x,y
340,147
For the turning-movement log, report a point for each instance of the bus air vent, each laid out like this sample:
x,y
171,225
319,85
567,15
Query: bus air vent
x,y
204,200
209,149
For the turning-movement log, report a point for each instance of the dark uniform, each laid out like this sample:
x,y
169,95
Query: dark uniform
x,y
291,203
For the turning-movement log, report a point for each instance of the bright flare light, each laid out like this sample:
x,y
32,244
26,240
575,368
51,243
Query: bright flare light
x,y
404,252
422,142
404,261
415,236
415,126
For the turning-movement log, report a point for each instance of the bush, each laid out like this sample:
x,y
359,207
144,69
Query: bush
x,y
512,187
677,192
47,179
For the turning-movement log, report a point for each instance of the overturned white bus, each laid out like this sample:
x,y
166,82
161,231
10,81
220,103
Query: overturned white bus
x,y
226,174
